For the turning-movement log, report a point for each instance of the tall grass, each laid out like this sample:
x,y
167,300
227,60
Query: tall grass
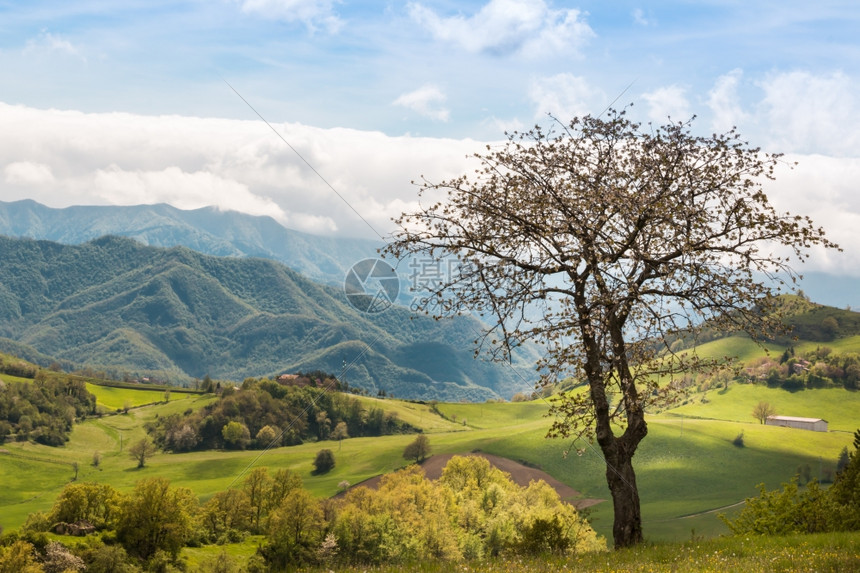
x,y
834,552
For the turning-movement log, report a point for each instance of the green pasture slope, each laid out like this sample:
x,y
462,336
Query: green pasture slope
x,y
119,397
111,395
687,467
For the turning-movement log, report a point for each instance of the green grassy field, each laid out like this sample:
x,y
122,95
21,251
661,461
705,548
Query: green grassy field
x,y
836,552
113,398
824,552
839,407
687,467
739,347
414,413
688,470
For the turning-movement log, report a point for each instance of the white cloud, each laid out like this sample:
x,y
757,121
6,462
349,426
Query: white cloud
x,y
121,158
724,102
668,102
184,190
807,113
28,173
47,43
642,19
565,96
63,158
312,13
501,27
825,189
427,100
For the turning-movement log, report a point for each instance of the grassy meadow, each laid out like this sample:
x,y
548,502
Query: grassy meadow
x,y
837,552
687,468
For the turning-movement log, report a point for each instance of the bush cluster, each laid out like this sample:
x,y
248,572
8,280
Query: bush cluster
x,y
473,512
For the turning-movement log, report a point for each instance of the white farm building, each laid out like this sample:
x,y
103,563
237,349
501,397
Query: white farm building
x,y
814,424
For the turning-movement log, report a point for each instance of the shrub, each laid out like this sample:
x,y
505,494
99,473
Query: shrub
x,y
739,440
236,434
324,462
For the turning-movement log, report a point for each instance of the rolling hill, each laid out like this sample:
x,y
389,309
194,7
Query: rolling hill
x,y
179,314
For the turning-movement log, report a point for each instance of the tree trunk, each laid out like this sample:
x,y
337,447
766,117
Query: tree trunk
x,y
627,528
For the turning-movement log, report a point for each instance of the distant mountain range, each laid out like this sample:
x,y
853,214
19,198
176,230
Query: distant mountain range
x,y
113,302
229,233
207,230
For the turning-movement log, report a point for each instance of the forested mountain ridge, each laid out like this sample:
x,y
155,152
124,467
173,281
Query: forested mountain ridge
x,y
229,233
181,314
207,230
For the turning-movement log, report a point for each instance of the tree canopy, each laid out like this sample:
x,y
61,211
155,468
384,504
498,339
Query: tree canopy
x,y
597,239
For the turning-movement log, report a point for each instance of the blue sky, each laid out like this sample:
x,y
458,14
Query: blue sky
x,y
450,69
109,102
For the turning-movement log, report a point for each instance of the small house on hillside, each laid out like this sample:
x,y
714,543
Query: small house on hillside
x,y
814,424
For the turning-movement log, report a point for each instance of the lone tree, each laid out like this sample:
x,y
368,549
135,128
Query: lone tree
x,y
141,451
762,411
604,241
417,449
323,462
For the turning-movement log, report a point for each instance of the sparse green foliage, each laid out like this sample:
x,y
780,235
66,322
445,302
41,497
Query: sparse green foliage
x,y
142,450
227,515
341,432
762,411
256,488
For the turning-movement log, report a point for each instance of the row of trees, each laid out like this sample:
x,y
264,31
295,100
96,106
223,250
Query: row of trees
x,y
473,511
263,413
